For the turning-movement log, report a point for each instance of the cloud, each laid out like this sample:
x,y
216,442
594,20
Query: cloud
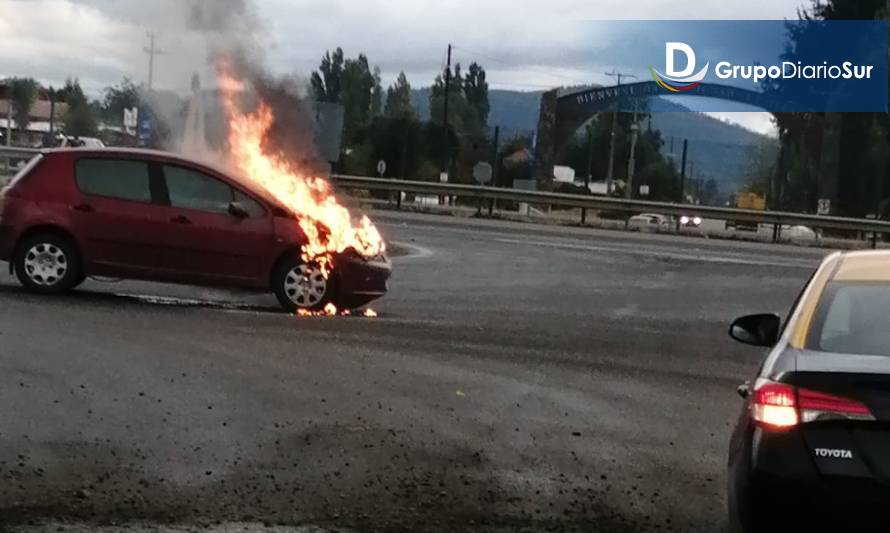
x,y
523,44
100,41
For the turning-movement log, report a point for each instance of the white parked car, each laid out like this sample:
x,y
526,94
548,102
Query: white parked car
x,y
81,142
648,221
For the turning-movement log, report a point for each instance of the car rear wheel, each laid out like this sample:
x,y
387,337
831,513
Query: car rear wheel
x,y
300,285
48,264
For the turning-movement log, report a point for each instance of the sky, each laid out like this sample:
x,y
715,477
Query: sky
x,y
523,45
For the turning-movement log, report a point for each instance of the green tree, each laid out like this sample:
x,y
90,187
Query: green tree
x,y
354,85
398,99
864,137
120,97
377,95
475,89
81,117
326,81
23,95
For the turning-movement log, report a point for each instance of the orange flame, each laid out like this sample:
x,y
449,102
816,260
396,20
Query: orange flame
x,y
327,225
331,310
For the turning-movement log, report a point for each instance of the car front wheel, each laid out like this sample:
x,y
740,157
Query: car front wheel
x,y
302,286
47,263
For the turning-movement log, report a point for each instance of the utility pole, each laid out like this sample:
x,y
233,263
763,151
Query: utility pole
x,y
611,174
683,179
589,174
496,166
152,52
8,117
632,162
683,172
446,165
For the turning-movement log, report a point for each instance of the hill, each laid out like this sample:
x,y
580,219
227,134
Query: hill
x,y
717,149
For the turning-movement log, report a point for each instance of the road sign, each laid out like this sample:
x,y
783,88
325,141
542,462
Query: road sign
x,y
145,128
381,167
824,207
131,120
482,173
644,190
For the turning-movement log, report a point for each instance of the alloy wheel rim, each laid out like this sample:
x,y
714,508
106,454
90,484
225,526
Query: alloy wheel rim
x,y
305,286
46,264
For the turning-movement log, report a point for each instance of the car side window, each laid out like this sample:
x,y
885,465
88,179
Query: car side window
x,y
190,189
114,178
253,208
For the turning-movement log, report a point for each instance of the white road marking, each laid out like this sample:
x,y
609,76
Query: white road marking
x,y
417,252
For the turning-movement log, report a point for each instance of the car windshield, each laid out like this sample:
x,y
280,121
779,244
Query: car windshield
x,y
853,318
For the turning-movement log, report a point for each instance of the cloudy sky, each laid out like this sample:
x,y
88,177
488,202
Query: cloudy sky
x,y
524,45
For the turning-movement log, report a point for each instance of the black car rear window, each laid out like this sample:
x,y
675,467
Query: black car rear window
x,y
852,318
114,178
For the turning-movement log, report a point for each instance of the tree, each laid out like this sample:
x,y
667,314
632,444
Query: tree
x,y
351,83
23,95
80,119
377,95
457,102
120,97
326,81
475,89
864,137
398,99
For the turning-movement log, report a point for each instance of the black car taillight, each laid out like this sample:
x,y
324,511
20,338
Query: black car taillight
x,y
779,406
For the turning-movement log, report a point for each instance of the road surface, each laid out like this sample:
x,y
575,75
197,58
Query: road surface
x,y
518,378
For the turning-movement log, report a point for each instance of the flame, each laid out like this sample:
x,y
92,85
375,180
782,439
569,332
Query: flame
x,y
327,225
331,310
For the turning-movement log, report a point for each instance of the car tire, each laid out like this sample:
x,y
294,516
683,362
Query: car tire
x,y
48,263
301,286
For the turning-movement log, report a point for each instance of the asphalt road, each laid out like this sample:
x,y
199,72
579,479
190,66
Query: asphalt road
x,y
518,378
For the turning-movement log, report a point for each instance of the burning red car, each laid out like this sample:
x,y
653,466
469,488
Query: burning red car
x,y
155,216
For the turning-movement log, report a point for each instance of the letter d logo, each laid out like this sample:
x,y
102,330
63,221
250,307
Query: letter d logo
x,y
671,50
679,80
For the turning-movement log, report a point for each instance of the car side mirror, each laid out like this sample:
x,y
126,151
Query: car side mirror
x,y
237,210
757,330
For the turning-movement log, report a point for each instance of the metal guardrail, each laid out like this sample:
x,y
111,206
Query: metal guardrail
x,y
16,152
7,154
613,204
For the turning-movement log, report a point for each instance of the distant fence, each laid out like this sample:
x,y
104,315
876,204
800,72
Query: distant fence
x,y
596,203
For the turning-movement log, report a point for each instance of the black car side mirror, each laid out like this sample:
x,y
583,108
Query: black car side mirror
x,y
757,330
237,210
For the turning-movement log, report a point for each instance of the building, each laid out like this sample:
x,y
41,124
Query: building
x,y
39,125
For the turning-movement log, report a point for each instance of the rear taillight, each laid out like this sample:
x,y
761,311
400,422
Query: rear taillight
x,y
775,405
779,406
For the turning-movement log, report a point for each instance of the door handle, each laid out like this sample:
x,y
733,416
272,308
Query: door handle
x,y
84,208
181,220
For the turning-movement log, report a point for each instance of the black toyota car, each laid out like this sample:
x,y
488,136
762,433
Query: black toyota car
x,y
811,450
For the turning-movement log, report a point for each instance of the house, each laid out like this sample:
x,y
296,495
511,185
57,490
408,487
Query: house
x,y
39,125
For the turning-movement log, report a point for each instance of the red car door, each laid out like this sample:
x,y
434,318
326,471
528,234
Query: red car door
x,y
207,241
119,226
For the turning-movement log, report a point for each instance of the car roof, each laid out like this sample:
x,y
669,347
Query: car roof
x,y
864,266
158,155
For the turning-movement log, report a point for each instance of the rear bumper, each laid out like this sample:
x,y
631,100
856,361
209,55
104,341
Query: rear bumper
x,y
777,479
362,281
7,242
